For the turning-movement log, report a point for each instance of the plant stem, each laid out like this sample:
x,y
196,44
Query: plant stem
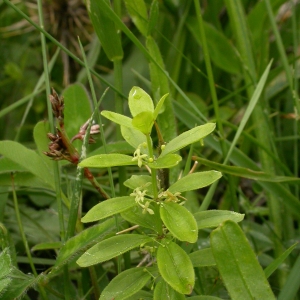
x,y
22,233
153,171
55,164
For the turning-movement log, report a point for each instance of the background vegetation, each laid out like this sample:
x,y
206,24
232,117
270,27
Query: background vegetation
x,y
211,62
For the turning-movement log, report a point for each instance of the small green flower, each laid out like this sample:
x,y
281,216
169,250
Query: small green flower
x,y
139,157
146,208
170,197
139,195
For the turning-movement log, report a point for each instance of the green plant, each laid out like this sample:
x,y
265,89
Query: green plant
x,y
218,64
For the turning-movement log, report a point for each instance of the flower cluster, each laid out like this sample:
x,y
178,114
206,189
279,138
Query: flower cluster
x,y
137,156
170,197
57,105
140,198
95,128
57,149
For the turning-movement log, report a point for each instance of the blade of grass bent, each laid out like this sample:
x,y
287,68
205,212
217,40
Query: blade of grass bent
x,y
249,110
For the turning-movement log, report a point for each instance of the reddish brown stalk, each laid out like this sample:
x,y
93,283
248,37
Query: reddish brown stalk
x,y
60,147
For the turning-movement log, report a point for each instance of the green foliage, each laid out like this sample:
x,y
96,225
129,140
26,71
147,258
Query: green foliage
x,y
208,138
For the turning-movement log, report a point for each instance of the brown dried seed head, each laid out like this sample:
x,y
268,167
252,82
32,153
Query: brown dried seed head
x,y
57,104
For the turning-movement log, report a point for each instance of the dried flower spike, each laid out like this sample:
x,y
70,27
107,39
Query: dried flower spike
x,y
57,105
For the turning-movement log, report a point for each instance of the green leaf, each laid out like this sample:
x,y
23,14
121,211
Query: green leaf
x,y
243,276
5,266
213,218
41,140
247,173
23,179
117,118
138,181
143,122
175,267
195,181
107,160
160,87
108,208
179,221
126,284
46,246
138,13
134,215
111,248
202,258
168,161
252,104
139,101
153,17
105,28
77,244
19,284
77,108
204,297
134,138
28,159
164,291
188,137
269,270
225,56
159,106
121,147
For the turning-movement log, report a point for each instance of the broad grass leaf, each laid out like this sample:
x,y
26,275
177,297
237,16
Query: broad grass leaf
x,y
270,269
175,267
108,208
179,221
107,160
138,12
139,101
244,278
160,87
224,57
134,215
126,284
195,181
23,179
28,159
202,258
153,17
41,140
77,108
247,173
213,218
111,248
46,246
77,244
189,137
100,13
164,291
8,166
117,118
240,159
